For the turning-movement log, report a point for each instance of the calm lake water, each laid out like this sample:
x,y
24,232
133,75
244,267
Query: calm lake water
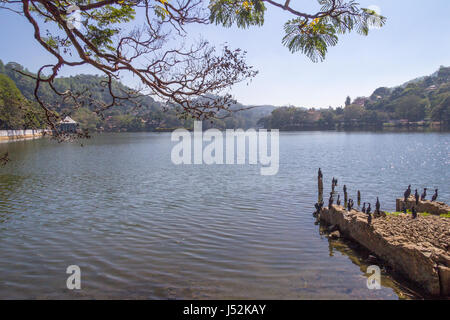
x,y
141,227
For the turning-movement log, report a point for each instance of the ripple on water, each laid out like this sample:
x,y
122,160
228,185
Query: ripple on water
x,y
140,227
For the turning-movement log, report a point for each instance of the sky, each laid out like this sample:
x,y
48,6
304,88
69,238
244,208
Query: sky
x,y
414,42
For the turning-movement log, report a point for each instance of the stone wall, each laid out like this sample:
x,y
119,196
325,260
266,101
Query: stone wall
x,y
21,134
419,259
433,207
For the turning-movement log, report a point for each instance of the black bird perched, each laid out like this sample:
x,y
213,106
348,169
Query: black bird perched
x,y
424,194
364,208
416,195
320,205
377,206
407,193
338,201
350,204
345,195
435,195
368,209
330,201
414,212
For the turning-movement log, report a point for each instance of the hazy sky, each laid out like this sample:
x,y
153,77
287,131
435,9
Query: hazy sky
x,y
414,42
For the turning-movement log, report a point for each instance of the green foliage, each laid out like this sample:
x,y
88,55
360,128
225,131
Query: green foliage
x,y
419,100
16,112
311,35
312,40
149,116
243,13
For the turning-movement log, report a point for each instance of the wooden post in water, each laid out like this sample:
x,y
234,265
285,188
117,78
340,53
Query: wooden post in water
x,y
320,185
345,196
359,198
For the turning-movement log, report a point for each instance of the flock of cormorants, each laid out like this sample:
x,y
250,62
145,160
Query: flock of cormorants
x,y
416,197
422,196
368,210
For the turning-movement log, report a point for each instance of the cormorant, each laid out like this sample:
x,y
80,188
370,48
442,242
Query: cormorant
x,y
320,205
338,201
416,195
359,196
345,195
364,208
424,194
414,212
377,206
407,193
330,201
368,209
435,195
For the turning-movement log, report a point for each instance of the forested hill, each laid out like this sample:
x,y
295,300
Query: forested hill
x,y
148,117
419,99
420,102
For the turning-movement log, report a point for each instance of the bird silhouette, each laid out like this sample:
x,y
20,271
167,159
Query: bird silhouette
x,y
407,192
364,208
424,194
416,195
414,212
435,195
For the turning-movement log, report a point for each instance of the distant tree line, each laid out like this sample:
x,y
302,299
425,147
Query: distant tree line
x,y
418,102
426,99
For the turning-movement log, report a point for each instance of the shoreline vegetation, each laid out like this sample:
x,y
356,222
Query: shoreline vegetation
x,y
420,105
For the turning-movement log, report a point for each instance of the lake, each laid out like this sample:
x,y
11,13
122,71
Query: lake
x,y
140,227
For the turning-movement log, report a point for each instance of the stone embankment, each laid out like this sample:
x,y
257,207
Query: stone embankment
x,y
432,207
22,134
418,249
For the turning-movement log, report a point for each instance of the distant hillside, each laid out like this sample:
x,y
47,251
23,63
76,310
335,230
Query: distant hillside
x,y
420,99
419,102
150,116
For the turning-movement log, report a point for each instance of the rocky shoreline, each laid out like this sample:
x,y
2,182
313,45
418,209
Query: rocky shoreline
x,y
417,249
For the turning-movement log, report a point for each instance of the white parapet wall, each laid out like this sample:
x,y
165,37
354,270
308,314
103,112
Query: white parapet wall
x,y
22,134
